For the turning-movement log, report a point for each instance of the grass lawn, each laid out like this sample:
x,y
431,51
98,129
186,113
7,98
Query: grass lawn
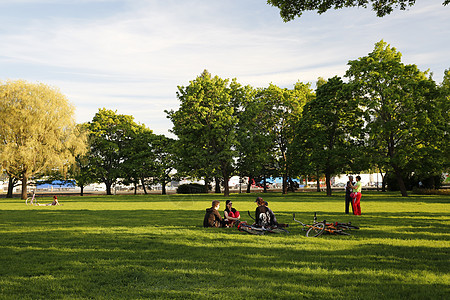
x,y
143,247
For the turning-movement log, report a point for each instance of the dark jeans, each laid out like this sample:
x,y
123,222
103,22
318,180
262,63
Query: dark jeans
x,y
348,202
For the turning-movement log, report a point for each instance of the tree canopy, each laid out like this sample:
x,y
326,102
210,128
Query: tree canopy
x,y
325,140
402,109
204,125
290,9
110,137
37,130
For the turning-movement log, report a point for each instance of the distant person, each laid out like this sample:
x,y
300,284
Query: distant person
x,y
264,215
230,213
357,196
348,191
212,216
55,202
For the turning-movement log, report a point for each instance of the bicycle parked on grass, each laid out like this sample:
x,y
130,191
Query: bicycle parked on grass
x,y
260,230
318,228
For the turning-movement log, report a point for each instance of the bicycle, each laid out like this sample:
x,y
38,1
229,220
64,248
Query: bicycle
x,y
260,230
318,228
314,230
32,200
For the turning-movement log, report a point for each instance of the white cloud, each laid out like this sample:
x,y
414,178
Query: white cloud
x,y
133,56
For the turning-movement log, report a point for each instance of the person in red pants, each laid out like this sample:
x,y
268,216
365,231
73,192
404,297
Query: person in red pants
x,y
356,201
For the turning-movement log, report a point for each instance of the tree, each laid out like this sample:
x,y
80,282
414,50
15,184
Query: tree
x,y
255,145
139,158
401,110
165,160
290,9
37,130
109,136
326,139
204,125
283,108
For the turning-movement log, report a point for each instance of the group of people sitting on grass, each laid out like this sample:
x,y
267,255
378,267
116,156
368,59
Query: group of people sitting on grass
x,y
264,216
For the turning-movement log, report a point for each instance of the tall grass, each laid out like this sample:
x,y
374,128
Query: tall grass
x,y
139,247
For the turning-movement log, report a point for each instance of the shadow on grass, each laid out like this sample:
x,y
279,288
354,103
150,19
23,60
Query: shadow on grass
x,y
196,263
167,254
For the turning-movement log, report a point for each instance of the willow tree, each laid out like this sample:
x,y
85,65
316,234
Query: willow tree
x,y
37,130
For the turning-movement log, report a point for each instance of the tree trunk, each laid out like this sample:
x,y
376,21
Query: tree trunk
x,y
318,184
249,185
284,186
108,188
163,185
264,184
10,187
401,182
82,190
328,182
217,185
135,187
226,185
24,186
206,185
143,185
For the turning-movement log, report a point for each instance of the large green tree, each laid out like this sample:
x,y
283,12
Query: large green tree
x,y
282,110
204,125
328,131
139,159
165,160
401,110
37,130
110,139
256,147
290,9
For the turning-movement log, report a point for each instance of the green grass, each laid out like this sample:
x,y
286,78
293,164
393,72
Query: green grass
x,y
142,247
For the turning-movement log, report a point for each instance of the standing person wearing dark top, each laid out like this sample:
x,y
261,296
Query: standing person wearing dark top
x,y
212,216
348,191
263,215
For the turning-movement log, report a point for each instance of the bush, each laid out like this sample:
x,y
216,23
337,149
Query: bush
x,y
191,188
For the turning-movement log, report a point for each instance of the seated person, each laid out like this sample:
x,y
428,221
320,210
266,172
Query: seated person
x,y
272,215
55,202
212,216
231,214
264,215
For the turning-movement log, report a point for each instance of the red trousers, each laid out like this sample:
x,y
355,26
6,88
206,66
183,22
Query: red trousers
x,y
356,201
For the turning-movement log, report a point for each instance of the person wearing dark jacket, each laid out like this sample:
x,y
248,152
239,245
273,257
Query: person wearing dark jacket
x,y
348,191
264,215
212,216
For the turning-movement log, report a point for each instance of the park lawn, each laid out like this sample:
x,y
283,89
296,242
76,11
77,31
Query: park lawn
x,y
150,246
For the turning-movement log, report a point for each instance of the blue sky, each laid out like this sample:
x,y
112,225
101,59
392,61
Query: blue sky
x,y
130,56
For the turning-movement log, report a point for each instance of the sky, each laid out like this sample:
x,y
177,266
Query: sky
x,y
131,55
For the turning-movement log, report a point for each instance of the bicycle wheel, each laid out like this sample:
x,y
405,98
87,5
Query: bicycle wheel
x,y
251,230
315,230
341,232
352,227
346,226
278,230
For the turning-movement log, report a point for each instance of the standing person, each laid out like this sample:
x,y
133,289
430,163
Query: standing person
x,y
357,196
230,213
212,216
348,191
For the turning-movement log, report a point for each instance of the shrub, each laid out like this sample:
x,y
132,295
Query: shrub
x,y
191,188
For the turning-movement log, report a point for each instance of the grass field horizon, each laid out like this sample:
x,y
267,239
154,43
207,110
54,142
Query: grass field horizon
x,y
153,246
